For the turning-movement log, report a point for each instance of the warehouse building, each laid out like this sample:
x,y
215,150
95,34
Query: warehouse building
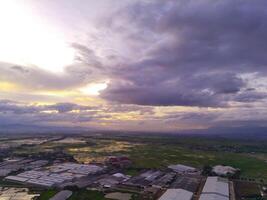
x,y
111,180
62,195
144,179
187,183
182,169
119,161
177,194
221,170
215,188
165,180
57,174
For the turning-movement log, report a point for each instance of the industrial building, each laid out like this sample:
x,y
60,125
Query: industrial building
x,y
182,169
15,164
165,180
176,194
144,179
57,174
118,196
119,161
221,170
215,188
62,195
187,183
109,181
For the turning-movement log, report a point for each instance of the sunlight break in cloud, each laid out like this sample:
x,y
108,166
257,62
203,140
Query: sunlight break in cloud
x,y
94,89
142,65
27,40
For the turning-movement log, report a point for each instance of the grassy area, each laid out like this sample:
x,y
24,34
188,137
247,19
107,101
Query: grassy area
x,y
100,150
132,171
160,151
87,195
156,156
46,195
157,152
247,190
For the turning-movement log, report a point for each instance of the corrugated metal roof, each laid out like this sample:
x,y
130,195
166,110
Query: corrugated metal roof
x,y
215,188
63,195
176,194
16,178
212,197
181,168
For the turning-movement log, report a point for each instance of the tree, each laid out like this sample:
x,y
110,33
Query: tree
x,y
206,170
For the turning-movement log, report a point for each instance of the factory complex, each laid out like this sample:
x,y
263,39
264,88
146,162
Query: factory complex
x,y
175,182
55,175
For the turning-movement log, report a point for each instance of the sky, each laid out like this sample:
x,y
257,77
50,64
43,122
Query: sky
x,y
133,65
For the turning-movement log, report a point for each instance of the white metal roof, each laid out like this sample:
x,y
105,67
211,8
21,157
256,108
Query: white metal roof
x,y
48,178
63,195
223,170
16,178
212,197
215,188
176,194
181,168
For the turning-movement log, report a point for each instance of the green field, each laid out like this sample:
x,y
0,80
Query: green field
x,y
156,156
87,195
46,195
158,152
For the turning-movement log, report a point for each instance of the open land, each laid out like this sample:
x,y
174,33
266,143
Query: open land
x,y
146,152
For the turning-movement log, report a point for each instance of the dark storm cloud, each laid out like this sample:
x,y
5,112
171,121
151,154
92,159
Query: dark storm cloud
x,y
13,112
67,107
194,53
251,96
86,56
200,90
14,107
192,118
118,108
22,108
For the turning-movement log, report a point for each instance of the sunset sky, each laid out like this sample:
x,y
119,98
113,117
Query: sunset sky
x,y
137,65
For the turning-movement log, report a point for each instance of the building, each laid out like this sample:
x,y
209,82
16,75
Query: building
x,y
183,169
215,188
176,194
144,179
221,170
187,183
119,161
55,175
118,196
165,180
62,195
112,180
151,192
